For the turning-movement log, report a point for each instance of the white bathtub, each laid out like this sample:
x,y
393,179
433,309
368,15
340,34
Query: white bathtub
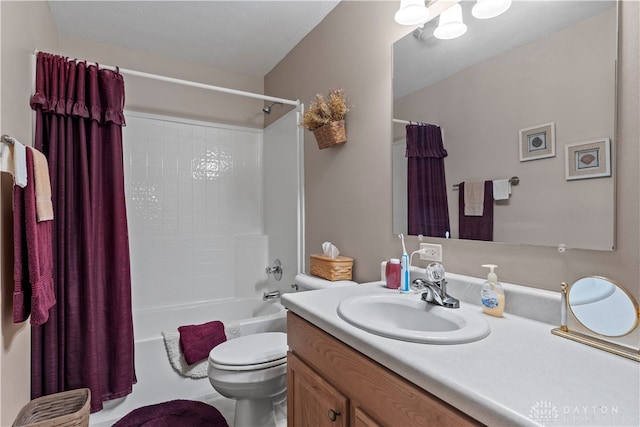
x,y
157,381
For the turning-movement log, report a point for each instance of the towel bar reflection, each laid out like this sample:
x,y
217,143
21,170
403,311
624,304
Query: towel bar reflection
x,y
514,180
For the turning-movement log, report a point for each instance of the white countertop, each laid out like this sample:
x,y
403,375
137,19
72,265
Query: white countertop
x,y
521,374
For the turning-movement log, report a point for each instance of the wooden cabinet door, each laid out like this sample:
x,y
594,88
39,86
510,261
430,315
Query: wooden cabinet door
x,y
377,395
360,419
312,401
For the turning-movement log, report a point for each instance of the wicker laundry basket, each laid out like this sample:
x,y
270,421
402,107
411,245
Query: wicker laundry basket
x,y
65,409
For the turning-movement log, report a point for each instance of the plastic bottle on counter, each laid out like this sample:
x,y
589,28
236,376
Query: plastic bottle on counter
x,y
492,293
392,273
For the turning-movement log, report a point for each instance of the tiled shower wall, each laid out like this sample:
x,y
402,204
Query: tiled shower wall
x,y
191,188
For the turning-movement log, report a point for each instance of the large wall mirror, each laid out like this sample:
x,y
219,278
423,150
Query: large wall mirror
x,y
541,64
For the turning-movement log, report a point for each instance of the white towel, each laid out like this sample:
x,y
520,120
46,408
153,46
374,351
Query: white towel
x,y
473,198
176,358
232,329
6,158
501,189
13,159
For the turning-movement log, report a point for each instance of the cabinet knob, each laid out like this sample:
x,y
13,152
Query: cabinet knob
x,y
333,414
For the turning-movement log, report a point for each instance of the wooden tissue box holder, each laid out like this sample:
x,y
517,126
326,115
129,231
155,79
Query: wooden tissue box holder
x,y
333,269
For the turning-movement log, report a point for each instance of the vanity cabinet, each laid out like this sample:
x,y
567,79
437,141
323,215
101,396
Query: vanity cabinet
x,y
331,384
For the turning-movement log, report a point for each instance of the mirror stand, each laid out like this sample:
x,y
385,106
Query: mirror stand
x,y
590,337
598,343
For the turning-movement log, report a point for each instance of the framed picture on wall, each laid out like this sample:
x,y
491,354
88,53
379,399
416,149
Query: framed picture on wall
x,y
589,159
538,142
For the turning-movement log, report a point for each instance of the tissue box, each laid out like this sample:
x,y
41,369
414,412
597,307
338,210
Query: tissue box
x,y
333,269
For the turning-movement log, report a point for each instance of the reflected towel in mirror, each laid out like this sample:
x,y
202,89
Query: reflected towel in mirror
x,y
473,198
501,189
476,227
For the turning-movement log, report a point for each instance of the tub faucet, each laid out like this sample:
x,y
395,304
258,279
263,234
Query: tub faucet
x,y
436,287
270,295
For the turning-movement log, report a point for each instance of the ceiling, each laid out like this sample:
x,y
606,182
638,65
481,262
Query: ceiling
x,y
252,36
244,36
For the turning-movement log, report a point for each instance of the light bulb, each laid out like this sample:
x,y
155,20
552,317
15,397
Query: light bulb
x,y
412,12
486,9
450,24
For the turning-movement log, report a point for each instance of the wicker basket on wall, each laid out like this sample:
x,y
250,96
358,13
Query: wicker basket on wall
x,y
325,118
65,409
333,133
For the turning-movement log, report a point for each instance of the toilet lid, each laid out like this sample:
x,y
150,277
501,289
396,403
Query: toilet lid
x,y
253,351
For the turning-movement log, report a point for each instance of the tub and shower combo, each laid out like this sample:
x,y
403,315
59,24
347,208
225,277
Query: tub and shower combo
x,y
199,245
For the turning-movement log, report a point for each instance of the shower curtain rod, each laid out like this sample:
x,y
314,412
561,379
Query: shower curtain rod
x,y
406,122
295,103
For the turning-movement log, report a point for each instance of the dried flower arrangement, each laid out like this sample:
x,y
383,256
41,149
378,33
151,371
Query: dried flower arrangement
x,y
322,111
325,118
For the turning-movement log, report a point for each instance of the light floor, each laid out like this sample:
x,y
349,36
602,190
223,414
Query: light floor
x,y
227,408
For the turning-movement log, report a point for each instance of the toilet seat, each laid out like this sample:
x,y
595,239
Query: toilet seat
x,y
250,352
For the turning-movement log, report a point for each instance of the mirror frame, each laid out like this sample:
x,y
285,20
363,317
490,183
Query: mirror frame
x,y
622,345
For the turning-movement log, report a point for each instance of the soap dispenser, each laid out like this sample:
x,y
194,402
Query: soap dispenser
x,y
492,293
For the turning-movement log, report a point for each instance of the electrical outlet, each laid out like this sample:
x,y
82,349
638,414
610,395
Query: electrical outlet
x,y
431,252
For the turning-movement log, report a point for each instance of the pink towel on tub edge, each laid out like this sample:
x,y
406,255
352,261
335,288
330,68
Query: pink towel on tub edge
x,y
196,341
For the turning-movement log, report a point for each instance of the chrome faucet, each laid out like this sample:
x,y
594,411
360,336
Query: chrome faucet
x,y
270,295
436,287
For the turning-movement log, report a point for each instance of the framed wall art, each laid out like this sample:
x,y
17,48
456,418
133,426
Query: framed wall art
x,y
537,142
589,159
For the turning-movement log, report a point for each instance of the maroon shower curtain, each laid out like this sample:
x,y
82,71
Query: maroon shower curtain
x,y
88,340
428,210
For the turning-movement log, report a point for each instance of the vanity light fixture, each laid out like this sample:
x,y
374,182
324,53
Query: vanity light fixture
x,y
486,9
412,12
450,24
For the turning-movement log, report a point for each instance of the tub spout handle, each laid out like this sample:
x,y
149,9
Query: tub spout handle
x,y
270,295
275,269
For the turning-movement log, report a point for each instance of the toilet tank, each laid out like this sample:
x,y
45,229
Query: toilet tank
x,y
304,282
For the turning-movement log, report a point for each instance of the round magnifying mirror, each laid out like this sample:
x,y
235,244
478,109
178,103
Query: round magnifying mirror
x,y
603,307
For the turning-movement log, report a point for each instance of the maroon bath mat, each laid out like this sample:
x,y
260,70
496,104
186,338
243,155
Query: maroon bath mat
x,y
175,413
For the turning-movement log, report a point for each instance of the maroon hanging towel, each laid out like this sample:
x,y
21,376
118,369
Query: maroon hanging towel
x,y
33,293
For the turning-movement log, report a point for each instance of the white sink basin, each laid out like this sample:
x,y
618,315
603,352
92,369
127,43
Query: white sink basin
x,y
407,318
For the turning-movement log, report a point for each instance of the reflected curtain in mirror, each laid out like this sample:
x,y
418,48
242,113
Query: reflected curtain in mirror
x,y
428,211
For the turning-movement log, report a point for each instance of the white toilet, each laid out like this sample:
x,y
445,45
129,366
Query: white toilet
x,y
252,369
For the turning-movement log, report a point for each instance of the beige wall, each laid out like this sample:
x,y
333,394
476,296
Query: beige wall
x,y
348,189
24,26
481,109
